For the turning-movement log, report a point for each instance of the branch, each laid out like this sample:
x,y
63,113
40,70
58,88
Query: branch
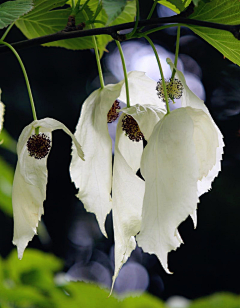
x,y
113,31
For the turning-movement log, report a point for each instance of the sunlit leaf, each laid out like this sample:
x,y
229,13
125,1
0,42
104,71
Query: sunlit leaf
x,y
12,10
47,19
113,8
221,300
224,12
175,5
34,261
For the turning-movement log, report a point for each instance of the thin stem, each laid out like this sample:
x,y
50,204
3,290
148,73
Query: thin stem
x,y
150,13
98,62
84,5
129,35
6,32
143,34
98,10
25,76
176,51
125,73
161,72
152,10
97,55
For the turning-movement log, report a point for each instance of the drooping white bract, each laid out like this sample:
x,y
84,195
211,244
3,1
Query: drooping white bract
x,y
2,108
94,176
29,184
128,188
190,99
179,163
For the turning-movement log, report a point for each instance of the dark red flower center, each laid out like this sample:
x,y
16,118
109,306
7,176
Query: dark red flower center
x,y
131,128
38,146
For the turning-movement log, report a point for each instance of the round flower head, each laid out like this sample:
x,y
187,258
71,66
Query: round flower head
x,y
38,146
174,89
112,113
131,128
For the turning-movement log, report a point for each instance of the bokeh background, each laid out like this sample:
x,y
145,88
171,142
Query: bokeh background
x,y
61,80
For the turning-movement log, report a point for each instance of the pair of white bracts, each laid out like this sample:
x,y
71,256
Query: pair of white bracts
x,y
182,158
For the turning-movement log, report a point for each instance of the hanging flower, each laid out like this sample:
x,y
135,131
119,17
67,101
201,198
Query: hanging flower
x,y
30,179
93,178
179,163
127,188
2,109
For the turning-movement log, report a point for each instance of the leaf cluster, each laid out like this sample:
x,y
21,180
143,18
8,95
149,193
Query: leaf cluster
x,y
34,282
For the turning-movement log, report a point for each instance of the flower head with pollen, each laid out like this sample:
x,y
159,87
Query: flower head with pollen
x,y
38,146
131,128
30,178
112,113
174,89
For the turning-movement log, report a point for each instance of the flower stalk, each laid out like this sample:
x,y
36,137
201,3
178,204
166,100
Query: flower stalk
x,y
125,73
26,80
161,72
176,51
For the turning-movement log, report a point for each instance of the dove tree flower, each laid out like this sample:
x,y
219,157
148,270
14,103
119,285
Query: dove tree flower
x,y
30,179
179,163
94,176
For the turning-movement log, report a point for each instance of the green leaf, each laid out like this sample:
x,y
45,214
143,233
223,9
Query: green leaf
x,y
10,11
219,11
6,180
221,300
145,300
127,15
43,20
175,5
113,8
33,263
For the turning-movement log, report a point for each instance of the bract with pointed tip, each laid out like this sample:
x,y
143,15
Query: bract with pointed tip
x,y
29,184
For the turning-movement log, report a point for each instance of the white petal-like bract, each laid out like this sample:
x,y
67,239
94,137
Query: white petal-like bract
x,y
94,176
2,109
29,184
128,191
190,99
128,188
172,163
142,90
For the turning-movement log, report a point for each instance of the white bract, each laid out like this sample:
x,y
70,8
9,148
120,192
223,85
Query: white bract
x,y
2,109
182,157
128,188
94,176
179,163
29,184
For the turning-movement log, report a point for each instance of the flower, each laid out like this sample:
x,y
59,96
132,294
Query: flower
x,y
2,109
179,163
30,179
94,177
127,188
